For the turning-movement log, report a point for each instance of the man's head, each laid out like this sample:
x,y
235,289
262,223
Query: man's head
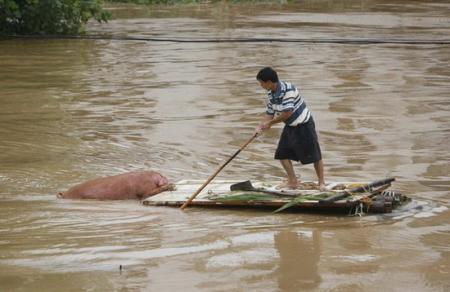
x,y
268,78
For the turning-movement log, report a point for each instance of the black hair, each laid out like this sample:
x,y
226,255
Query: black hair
x,y
266,74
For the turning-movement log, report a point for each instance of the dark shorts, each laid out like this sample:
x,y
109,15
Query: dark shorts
x,y
299,143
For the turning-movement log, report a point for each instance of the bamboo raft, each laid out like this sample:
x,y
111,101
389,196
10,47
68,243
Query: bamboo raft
x,y
353,198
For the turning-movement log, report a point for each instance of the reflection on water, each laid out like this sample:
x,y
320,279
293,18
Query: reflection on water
x,y
299,260
72,110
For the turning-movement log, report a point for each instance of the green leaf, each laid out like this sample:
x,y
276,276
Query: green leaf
x,y
244,197
303,198
293,202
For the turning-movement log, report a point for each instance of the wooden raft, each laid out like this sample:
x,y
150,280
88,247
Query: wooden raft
x,y
216,194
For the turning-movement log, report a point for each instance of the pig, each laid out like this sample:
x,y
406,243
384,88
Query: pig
x,y
126,186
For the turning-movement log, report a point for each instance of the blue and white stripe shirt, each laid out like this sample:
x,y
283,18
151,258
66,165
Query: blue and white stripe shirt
x,y
287,98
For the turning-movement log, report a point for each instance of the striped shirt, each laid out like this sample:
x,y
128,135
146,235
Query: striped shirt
x,y
287,98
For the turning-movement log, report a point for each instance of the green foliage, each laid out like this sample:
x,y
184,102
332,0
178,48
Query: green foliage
x,y
304,198
243,197
49,16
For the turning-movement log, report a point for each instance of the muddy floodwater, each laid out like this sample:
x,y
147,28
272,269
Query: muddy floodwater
x,y
74,110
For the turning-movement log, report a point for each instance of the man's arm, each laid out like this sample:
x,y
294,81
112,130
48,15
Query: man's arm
x,y
281,117
270,120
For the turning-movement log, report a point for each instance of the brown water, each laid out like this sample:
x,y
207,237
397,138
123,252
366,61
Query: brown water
x,y
73,110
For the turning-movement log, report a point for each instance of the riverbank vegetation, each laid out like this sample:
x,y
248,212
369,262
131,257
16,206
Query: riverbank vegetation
x,y
49,16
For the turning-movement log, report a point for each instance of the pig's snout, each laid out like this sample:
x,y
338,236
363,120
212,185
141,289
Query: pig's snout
x,y
162,181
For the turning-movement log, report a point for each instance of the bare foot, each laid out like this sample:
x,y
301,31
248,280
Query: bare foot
x,y
323,188
288,185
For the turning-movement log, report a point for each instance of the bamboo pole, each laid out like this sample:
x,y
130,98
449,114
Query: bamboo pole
x,y
217,172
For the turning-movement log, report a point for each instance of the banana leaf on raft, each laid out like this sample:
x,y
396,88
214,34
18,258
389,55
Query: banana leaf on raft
x,y
243,197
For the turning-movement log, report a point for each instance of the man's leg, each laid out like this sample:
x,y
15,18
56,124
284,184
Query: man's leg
x,y
318,166
289,168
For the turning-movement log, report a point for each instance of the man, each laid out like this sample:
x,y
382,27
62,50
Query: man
x,y
298,140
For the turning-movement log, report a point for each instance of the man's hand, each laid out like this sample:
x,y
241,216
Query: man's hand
x,y
270,120
264,125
